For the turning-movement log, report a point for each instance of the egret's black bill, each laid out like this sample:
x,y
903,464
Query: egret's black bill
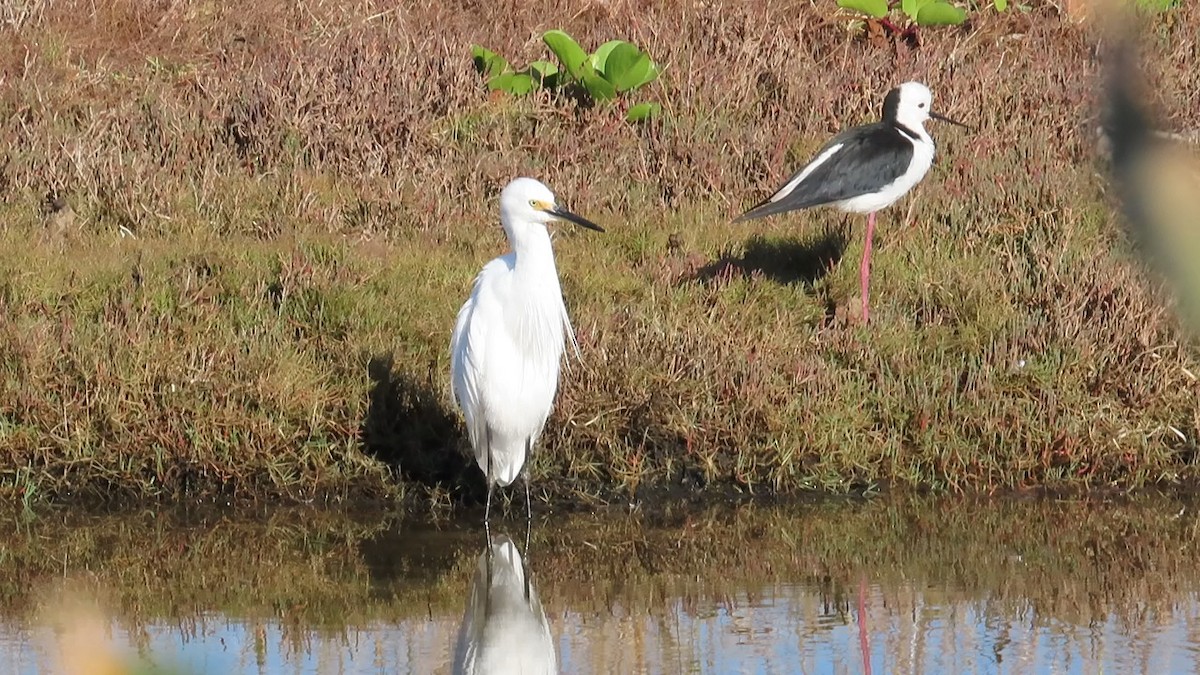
x,y
578,220
943,118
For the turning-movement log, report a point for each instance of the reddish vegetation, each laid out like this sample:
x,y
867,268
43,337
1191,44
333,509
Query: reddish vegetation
x,y
307,184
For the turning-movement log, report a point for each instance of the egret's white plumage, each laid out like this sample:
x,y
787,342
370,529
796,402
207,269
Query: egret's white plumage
x,y
504,628
509,339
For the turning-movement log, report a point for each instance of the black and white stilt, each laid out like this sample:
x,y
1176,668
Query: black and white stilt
x,y
865,169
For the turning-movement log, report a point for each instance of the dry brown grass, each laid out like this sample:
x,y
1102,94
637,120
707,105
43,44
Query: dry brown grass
x,y
310,187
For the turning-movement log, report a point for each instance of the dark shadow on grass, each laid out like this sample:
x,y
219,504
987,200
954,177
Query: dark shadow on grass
x,y
786,261
409,553
409,427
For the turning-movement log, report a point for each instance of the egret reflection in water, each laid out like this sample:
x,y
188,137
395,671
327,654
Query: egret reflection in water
x,y
504,628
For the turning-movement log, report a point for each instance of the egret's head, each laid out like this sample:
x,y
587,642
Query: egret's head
x,y
911,104
526,201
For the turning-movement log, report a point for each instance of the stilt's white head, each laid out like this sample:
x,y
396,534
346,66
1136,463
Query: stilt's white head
x,y
910,105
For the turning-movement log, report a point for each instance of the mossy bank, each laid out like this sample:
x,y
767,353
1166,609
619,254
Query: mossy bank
x,y
235,241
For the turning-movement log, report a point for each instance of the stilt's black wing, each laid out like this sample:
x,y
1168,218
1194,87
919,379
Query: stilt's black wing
x,y
857,161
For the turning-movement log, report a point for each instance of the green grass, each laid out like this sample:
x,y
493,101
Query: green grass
x,y
206,363
277,325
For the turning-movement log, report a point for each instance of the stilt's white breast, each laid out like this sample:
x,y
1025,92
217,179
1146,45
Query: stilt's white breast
x,y
918,166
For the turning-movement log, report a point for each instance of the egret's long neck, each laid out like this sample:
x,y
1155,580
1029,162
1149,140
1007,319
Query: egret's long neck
x,y
544,317
532,250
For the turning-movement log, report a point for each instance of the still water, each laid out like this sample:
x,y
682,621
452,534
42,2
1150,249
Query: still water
x,y
890,585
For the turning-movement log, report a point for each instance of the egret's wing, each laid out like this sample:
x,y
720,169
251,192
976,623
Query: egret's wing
x,y
570,331
467,354
460,386
568,328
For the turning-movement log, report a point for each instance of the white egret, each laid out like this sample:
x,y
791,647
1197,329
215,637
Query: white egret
x,y
508,341
504,628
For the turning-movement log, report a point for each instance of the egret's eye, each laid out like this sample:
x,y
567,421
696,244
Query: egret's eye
x,y
533,203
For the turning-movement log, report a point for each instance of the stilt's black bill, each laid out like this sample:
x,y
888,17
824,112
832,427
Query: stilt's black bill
x,y
943,118
578,220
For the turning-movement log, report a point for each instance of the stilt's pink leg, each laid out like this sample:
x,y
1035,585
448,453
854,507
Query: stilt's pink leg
x,y
865,270
864,643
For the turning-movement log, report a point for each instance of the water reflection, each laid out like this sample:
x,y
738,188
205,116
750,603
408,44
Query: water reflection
x,y
504,628
886,586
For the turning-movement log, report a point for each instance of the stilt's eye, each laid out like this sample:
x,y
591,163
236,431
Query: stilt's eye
x,y
920,105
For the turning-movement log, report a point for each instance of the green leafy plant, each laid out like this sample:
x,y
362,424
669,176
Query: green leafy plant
x,y
919,12
616,68
1155,6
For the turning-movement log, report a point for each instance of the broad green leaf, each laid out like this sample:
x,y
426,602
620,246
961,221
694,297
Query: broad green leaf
x,y
487,62
568,51
517,84
1000,5
599,88
643,111
627,67
599,58
544,72
939,13
653,74
1158,5
913,7
480,56
872,8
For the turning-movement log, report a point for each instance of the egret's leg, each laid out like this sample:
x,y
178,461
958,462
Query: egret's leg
x,y
528,510
487,528
525,560
528,527
525,478
491,571
865,270
487,510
